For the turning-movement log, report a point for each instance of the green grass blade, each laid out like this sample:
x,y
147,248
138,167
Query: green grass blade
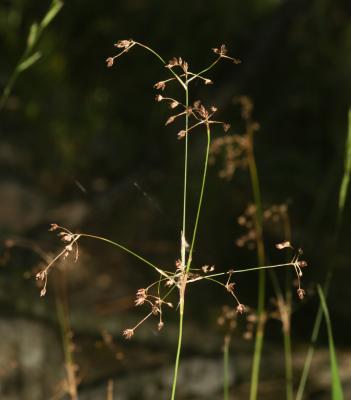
x,y
27,63
347,172
33,34
341,205
29,57
337,393
54,9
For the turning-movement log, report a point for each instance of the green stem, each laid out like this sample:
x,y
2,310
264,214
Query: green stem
x,y
284,307
160,271
183,238
208,132
205,70
184,283
184,86
262,275
314,337
179,348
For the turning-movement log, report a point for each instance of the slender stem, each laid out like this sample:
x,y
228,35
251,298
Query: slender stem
x,y
184,282
288,365
262,275
183,238
287,332
205,70
284,307
179,347
208,132
226,367
163,62
160,271
310,352
256,361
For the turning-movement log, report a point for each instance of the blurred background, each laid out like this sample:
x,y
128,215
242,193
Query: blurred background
x,y
85,146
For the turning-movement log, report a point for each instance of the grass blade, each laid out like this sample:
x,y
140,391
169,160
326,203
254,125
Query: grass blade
x,y
347,172
341,205
29,57
29,61
337,393
54,9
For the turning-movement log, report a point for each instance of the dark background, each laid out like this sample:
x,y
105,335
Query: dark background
x,y
71,122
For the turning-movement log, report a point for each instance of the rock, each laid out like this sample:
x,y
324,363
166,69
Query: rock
x,y
21,208
31,364
199,378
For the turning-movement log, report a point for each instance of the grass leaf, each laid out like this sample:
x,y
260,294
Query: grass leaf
x,y
33,34
347,172
337,393
55,7
28,62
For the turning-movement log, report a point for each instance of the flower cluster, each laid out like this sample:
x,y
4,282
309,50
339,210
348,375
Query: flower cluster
x,y
71,243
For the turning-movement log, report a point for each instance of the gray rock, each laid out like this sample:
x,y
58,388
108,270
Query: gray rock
x,y
21,208
31,362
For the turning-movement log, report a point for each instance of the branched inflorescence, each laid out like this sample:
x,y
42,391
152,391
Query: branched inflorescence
x,y
156,295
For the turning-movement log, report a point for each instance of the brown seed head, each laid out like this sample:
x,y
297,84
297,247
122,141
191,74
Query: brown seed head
x,y
160,85
302,263
124,44
128,333
226,127
240,308
109,61
174,104
181,134
173,62
283,245
67,238
170,120
230,287
53,227
301,293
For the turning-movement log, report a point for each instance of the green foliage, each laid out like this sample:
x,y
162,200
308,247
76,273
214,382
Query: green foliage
x,y
30,57
347,172
337,392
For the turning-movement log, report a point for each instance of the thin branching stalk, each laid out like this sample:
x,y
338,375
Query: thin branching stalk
x,y
157,269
